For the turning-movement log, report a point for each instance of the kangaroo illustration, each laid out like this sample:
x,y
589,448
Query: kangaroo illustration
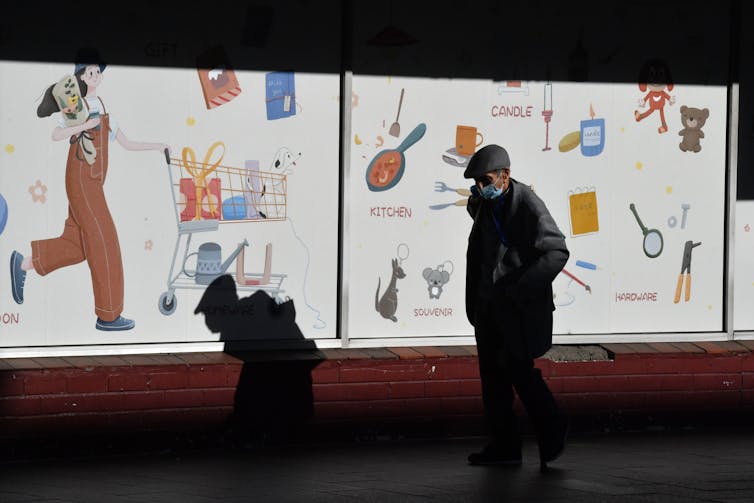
x,y
388,304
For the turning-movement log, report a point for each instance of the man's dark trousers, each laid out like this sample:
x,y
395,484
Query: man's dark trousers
x,y
504,366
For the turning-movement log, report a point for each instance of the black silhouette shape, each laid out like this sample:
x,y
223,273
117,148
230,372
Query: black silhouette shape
x,y
274,399
256,317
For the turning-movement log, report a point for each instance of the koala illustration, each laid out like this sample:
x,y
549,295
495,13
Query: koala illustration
x,y
436,278
693,120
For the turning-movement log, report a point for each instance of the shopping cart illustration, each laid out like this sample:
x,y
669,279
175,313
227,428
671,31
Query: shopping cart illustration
x,y
207,195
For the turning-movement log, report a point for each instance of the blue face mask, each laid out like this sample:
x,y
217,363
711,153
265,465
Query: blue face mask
x,y
490,192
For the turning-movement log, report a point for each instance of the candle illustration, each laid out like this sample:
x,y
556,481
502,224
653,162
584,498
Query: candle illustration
x,y
547,114
592,135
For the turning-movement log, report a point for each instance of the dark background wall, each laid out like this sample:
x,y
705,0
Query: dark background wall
x,y
704,42
745,74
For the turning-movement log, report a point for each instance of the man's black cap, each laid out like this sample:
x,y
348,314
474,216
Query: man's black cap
x,y
489,158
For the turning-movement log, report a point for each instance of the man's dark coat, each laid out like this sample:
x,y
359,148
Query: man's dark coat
x,y
536,253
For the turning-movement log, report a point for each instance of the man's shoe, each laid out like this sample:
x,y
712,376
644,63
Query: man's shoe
x,y
552,441
496,456
119,323
17,277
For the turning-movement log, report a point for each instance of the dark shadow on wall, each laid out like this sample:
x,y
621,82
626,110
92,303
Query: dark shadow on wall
x,y
274,401
531,40
704,42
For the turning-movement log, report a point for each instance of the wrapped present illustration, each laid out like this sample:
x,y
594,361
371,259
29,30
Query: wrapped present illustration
x,y
188,199
202,196
218,80
209,203
280,95
211,200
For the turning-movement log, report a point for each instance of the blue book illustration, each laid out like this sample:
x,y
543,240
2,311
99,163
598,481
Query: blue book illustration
x,y
280,95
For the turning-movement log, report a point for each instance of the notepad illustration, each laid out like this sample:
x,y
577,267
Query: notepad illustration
x,y
583,211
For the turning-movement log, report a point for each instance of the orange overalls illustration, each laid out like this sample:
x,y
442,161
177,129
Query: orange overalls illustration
x,y
89,233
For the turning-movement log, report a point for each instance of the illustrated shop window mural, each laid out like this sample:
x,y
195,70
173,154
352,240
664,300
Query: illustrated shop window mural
x,y
222,189
618,165
89,232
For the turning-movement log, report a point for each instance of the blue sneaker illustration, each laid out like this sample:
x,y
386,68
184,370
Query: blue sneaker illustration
x,y
119,323
17,277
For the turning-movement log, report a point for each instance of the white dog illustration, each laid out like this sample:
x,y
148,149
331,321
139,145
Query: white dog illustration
x,y
273,197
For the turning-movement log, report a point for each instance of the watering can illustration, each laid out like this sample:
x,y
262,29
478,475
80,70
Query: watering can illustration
x,y
209,263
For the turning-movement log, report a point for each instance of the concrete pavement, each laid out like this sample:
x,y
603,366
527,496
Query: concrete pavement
x,y
668,466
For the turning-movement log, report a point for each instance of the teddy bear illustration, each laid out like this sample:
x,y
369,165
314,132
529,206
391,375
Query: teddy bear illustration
x,y
693,120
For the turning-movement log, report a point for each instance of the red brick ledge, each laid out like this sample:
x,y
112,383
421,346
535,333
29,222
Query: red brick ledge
x,y
156,391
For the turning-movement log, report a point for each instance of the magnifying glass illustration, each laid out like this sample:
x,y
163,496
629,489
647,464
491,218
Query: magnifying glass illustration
x,y
402,256
652,237
444,267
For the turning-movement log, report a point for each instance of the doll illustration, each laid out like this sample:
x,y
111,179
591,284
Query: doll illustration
x,y
655,76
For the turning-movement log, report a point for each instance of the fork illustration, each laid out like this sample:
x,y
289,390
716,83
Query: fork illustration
x,y
442,187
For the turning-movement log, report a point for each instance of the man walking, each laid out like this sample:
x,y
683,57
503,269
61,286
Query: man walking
x,y
515,251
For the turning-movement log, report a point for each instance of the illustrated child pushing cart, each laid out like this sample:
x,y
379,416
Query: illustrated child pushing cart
x,y
89,232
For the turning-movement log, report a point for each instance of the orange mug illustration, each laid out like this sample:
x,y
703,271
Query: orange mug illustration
x,y
466,137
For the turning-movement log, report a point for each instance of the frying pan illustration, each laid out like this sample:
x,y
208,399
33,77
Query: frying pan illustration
x,y
386,169
652,237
